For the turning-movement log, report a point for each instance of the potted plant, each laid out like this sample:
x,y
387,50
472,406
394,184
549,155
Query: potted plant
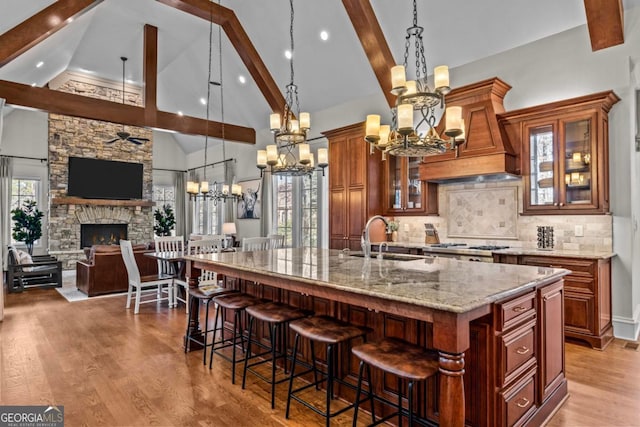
x,y
165,221
393,228
27,224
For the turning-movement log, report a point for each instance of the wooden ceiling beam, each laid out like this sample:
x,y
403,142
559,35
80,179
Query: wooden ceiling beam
x,y
605,20
29,33
150,71
375,46
98,109
238,37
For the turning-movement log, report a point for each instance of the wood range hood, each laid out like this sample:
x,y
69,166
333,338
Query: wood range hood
x,y
487,152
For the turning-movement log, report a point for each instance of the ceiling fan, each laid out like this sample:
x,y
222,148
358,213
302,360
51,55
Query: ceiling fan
x,y
123,135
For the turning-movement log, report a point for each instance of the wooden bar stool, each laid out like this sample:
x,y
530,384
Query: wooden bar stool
x,y
237,303
329,331
407,362
277,316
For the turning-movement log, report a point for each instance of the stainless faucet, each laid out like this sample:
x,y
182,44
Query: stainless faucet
x,y
386,245
365,242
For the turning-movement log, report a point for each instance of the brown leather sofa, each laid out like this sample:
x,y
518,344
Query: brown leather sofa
x,y
104,271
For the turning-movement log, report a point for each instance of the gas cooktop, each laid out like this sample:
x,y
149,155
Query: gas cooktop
x,y
447,245
488,247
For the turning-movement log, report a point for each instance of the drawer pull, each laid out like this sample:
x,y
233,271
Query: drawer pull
x,y
522,350
556,266
523,402
519,308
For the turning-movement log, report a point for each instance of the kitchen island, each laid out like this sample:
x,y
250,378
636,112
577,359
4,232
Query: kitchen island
x,y
497,328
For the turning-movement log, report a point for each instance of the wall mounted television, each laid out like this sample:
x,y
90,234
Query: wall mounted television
x,y
104,179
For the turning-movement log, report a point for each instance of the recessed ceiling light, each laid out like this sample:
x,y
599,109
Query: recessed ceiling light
x,y
203,101
180,113
130,81
69,20
288,54
84,70
324,35
242,79
39,64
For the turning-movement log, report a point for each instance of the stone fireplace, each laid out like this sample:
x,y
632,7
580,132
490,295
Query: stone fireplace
x,y
102,234
79,137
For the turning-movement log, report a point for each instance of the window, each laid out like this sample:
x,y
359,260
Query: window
x,y
23,189
207,216
310,210
300,226
284,208
164,195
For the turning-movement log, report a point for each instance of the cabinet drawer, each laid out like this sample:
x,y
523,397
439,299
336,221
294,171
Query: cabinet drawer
x,y
517,352
579,284
518,402
578,267
513,312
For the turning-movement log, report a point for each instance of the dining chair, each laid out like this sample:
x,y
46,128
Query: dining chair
x,y
277,240
256,244
207,278
174,244
144,284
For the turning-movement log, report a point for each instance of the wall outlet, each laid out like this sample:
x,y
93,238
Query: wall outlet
x,y
406,227
579,231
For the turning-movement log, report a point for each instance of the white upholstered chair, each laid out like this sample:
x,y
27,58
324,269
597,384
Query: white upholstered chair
x,y
212,244
170,244
156,284
256,244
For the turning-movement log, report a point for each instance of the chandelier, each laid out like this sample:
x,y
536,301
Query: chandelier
x,y
219,191
407,136
290,155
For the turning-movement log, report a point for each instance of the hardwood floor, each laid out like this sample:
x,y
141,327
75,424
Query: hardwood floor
x,y
110,367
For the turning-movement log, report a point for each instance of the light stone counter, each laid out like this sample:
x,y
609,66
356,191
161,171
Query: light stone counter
x,y
437,283
557,252
595,254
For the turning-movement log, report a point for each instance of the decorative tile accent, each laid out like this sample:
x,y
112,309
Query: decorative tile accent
x,y
483,213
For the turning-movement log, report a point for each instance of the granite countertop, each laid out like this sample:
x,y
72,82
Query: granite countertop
x,y
593,254
438,283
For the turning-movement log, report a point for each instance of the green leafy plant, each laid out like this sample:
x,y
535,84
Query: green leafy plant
x,y
394,225
27,224
165,221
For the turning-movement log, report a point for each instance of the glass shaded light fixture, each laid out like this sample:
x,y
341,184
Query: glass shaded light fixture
x,y
219,191
291,155
406,137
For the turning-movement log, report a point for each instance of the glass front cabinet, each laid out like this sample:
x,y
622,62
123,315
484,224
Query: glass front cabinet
x,y
405,193
565,159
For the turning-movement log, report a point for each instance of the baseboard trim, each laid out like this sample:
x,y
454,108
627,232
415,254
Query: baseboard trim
x,y
627,328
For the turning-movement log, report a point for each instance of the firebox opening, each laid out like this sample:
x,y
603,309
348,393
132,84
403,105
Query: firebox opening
x,y
102,234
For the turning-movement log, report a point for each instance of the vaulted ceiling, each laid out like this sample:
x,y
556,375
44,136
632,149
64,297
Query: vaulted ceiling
x,y
328,73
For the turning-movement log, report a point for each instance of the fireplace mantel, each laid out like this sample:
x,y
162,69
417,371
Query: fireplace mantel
x,y
99,202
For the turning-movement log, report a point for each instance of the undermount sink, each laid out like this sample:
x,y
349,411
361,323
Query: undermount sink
x,y
391,257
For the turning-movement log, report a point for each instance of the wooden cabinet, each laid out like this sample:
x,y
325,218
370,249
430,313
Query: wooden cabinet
x,y
405,193
565,157
354,186
551,340
587,295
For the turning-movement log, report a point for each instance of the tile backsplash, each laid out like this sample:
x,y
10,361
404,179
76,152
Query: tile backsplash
x,y
486,214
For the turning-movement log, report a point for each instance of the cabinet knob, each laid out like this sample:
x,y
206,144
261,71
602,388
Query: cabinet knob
x,y
555,204
561,204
